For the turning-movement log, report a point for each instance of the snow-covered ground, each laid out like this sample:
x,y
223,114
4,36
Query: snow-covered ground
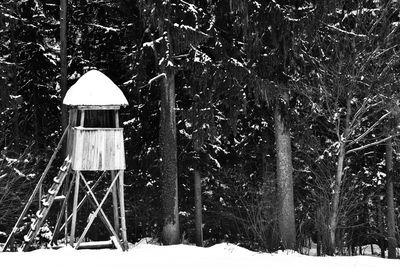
x,y
143,254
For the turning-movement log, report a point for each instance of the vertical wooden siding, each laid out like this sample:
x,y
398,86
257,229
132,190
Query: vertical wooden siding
x,y
98,149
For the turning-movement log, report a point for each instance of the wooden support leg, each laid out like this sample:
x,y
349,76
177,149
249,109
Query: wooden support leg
x,y
66,225
198,206
122,207
74,209
115,203
66,208
93,201
12,244
40,197
94,215
83,200
103,217
60,215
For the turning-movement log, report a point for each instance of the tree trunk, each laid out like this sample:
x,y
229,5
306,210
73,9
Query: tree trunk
x,y
269,186
198,207
334,217
63,61
333,221
14,79
390,201
381,230
169,169
319,242
284,170
4,93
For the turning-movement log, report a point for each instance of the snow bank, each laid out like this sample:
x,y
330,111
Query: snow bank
x,y
143,254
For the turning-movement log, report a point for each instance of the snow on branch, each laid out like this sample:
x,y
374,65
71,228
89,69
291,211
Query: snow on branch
x,y
159,76
360,11
151,43
199,56
184,36
190,28
107,29
11,17
6,63
345,32
192,8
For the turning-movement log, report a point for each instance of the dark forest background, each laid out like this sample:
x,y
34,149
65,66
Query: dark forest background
x,y
327,70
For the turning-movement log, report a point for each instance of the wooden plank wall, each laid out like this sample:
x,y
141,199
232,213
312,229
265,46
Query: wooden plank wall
x,y
72,123
98,149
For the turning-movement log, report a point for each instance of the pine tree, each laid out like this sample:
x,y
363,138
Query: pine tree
x,y
63,60
173,30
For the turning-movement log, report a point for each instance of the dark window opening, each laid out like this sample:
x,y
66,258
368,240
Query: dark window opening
x,y
97,119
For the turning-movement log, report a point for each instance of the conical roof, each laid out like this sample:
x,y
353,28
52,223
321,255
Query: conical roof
x,y
94,89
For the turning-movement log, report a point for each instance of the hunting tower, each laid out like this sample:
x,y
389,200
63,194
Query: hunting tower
x,y
95,151
96,143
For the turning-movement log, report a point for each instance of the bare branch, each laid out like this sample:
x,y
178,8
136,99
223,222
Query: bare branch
x,y
359,112
383,15
370,128
368,145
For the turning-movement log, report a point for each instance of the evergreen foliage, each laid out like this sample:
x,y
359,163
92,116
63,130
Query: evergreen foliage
x,y
231,62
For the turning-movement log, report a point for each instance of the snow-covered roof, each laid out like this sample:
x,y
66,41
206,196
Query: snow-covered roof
x,y
94,89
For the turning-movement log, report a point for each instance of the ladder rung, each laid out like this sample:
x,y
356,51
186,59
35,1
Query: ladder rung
x,y
60,197
51,191
46,201
26,238
33,226
39,214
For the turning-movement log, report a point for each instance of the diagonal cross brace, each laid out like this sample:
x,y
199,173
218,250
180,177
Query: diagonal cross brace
x,y
95,204
99,209
83,200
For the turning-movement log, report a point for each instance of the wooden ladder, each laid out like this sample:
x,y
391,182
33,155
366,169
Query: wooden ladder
x,y
36,190
47,201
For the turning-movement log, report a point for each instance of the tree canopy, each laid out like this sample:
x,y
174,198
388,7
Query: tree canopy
x,y
330,68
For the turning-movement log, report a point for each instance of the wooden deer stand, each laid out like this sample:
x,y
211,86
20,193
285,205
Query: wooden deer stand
x,y
95,143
